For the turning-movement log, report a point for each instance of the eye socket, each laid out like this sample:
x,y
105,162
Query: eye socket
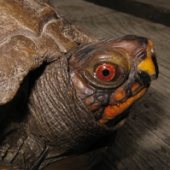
x,y
106,72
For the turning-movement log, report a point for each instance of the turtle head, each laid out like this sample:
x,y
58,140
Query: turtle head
x,y
109,76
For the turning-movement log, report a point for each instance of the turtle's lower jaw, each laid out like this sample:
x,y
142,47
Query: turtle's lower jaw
x,y
112,111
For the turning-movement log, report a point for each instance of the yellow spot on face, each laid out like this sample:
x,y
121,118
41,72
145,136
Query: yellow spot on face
x,y
148,66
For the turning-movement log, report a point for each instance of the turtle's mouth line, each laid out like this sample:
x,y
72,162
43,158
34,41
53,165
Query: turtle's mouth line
x,y
112,111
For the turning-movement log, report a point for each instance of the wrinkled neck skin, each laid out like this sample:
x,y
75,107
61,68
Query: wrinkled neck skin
x,y
57,123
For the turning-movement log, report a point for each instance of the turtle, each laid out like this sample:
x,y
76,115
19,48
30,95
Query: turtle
x,y
64,92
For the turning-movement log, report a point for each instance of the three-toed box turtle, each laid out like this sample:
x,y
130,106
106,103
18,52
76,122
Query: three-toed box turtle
x,y
63,92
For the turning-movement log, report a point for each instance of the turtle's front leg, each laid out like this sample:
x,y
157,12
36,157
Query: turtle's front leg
x,y
6,166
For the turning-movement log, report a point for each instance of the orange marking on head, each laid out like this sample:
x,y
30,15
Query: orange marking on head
x,y
135,86
105,117
120,96
112,111
89,101
95,107
102,121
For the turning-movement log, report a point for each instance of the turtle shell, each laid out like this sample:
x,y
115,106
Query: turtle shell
x,y
32,32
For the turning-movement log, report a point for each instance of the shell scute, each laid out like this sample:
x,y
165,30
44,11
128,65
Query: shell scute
x,y
18,17
48,47
18,57
32,32
54,30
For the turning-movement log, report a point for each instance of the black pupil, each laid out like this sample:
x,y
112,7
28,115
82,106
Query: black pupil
x,y
106,72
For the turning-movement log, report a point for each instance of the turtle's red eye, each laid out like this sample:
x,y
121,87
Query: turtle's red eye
x,y
105,72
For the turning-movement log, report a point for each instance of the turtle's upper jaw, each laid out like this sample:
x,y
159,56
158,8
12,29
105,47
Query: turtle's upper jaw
x,y
111,75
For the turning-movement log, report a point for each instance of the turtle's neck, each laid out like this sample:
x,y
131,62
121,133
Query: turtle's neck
x,y
57,113
57,124
58,116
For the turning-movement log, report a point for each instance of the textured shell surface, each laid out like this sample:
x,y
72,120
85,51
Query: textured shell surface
x,y
32,32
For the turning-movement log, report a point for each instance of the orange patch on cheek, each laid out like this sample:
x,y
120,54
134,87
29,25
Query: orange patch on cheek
x,y
112,111
135,86
103,121
95,107
120,96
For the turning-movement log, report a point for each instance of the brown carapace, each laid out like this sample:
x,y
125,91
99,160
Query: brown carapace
x,y
63,92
